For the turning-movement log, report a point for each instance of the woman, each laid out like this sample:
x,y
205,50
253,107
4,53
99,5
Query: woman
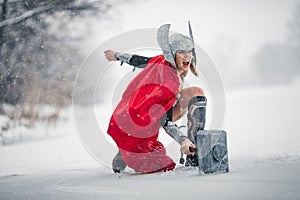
x,y
155,98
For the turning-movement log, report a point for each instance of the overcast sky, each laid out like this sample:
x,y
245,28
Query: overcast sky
x,y
231,31
249,22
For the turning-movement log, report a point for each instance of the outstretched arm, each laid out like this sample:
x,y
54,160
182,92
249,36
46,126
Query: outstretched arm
x,y
131,59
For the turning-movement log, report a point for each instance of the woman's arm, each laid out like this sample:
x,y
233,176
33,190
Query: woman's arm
x,y
131,59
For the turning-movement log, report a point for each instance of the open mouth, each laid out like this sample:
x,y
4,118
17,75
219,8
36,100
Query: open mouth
x,y
186,63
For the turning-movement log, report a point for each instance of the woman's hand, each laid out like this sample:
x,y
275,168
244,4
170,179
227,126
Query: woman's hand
x,y
185,147
110,55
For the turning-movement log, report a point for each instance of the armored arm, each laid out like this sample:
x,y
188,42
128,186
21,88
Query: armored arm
x,y
171,128
132,59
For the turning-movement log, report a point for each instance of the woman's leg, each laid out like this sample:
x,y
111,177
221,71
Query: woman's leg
x,y
192,100
185,96
148,157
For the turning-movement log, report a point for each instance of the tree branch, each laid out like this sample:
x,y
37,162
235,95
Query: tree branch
x,y
40,10
11,1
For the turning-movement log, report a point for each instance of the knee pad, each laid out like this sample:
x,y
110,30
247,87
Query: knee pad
x,y
196,116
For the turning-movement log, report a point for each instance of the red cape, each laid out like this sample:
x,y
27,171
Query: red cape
x,y
135,122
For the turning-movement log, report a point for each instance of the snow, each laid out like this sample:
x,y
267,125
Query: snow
x,y
262,126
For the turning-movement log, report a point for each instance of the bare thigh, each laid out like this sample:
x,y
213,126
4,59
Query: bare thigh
x,y
185,96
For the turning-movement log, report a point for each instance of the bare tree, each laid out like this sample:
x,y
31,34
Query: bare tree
x,y
294,28
279,62
31,54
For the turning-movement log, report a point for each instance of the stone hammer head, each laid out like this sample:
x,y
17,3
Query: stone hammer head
x,y
212,151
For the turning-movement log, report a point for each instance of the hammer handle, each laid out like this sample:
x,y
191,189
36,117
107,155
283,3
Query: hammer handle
x,y
192,149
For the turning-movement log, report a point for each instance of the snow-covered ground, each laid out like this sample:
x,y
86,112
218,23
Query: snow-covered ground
x,y
264,155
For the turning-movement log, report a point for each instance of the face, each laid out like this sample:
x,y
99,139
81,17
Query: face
x,y
183,60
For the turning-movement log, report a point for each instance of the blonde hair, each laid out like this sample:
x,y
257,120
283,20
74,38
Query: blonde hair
x,y
193,70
